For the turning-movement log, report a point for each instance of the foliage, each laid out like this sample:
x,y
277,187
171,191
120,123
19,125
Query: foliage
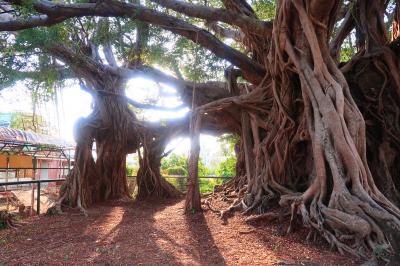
x,y
175,163
23,121
3,225
203,170
197,63
380,252
227,167
23,59
228,143
346,54
177,170
131,170
206,185
265,9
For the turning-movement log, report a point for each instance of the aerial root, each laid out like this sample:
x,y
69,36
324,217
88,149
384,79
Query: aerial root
x,y
80,207
330,224
237,205
312,234
207,202
270,216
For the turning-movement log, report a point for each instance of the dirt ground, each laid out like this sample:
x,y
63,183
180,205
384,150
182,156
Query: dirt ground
x,y
154,233
48,197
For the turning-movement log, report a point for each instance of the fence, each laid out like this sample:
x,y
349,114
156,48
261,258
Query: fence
x,y
206,183
178,181
31,182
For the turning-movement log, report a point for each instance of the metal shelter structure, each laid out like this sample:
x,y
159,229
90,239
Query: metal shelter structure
x,y
28,156
14,142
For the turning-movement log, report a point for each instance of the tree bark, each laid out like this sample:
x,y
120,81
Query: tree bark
x,y
192,202
111,128
149,180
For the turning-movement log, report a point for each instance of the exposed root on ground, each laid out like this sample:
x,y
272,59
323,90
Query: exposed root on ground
x,y
8,220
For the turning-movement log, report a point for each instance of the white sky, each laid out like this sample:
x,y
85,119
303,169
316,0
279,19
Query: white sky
x,y
75,103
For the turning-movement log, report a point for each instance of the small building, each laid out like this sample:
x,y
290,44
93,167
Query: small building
x,y
25,156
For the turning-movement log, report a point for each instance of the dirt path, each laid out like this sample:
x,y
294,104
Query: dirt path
x,y
150,233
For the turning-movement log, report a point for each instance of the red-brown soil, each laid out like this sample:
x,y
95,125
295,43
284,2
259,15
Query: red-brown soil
x,y
154,233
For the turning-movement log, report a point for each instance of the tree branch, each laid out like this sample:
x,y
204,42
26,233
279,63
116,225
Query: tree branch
x,y
151,73
205,92
236,35
252,71
244,22
345,29
31,22
141,105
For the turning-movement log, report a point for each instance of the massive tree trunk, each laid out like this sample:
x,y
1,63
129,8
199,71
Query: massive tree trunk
x,y
111,129
81,186
339,198
108,128
149,180
373,76
112,145
379,103
154,138
309,144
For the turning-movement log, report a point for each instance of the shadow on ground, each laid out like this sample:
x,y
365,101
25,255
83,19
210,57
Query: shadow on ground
x,y
118,233
152,233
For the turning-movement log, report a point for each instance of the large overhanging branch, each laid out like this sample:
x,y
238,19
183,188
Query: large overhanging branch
x,y
90,70
30,22
244,22
141,105
206,92
149,72
58,12
83,66
236,35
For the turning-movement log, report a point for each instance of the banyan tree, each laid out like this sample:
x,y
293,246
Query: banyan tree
x,y
312,89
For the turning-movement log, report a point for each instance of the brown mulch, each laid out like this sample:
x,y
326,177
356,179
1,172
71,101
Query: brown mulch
x,y
154,233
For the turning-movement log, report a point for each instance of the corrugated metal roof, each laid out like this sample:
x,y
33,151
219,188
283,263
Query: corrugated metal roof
x,y
15,135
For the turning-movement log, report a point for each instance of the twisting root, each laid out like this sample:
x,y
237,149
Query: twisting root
x,y
207,202
265,216
8,220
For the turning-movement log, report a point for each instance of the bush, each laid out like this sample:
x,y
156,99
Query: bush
x,y
176,170
175,161
227,167
132,170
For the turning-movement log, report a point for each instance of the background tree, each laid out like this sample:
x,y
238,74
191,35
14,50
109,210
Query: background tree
x,y
227,167
176,164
